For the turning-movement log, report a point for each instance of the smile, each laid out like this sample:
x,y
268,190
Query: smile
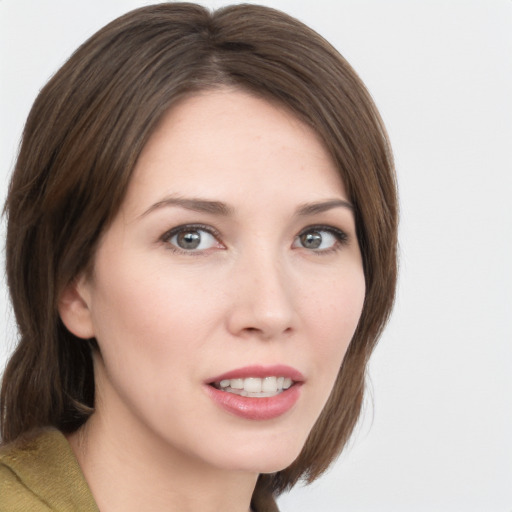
x,y
257,392
255,387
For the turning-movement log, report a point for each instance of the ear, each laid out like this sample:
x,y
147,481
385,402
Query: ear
x,y
74,304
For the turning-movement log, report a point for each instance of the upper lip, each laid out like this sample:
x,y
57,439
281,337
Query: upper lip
x,y
261,371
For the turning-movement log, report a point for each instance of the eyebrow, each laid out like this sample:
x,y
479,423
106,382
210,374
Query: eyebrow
x,y
222,209
194,204
322,206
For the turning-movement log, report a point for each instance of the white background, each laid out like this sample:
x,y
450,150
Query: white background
x,y
437,431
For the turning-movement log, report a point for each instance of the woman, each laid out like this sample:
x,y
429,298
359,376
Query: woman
x,y
201,254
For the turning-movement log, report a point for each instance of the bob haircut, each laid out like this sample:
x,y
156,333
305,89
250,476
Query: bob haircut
x,y
80,144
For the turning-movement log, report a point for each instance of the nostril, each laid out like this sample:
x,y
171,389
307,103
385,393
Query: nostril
x,y
250,318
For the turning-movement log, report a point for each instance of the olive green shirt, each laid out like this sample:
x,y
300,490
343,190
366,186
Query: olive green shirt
x,y
41,474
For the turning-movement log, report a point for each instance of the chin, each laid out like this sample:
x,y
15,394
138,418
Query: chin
x,y
265,457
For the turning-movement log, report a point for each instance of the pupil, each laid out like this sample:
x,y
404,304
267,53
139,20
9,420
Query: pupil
x,y
189,240
311,240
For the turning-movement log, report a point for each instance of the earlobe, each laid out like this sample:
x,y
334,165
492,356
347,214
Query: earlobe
x,y
74,309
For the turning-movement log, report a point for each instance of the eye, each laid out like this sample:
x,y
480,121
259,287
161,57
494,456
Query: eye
x,y
320,238
192,238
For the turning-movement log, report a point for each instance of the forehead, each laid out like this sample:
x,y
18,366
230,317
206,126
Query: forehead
x,y
229,142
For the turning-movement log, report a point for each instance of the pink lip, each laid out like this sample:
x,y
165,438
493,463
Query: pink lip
x,y
253,408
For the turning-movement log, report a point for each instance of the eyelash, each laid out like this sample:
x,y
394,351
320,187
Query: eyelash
x,y
168,235
341,237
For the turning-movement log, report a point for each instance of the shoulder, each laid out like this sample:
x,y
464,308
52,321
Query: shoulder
x,y
16,486
15,496
40,473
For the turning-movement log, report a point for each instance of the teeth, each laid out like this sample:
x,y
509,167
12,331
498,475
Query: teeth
x,y
236,383
255,386
252,385
269,384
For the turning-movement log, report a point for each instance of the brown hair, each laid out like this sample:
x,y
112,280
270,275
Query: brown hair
x,y
80,144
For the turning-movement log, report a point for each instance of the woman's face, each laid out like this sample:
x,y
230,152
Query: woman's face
x,y
231,269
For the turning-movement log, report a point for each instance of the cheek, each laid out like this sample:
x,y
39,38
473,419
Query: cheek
x,y
148,317
148,334
335,308
333,318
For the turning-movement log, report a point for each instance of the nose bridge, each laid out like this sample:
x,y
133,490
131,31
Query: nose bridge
x,y
263,298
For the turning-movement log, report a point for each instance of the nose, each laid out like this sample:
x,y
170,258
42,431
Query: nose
x,y
262,299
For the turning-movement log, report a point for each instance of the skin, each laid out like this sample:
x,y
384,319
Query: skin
x,y
167,319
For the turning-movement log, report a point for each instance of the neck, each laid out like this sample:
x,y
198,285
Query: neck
x,y
129,470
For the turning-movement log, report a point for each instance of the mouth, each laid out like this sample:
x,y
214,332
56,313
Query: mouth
x,y
257,392
255,387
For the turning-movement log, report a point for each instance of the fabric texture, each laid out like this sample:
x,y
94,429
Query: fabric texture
x,y
41,474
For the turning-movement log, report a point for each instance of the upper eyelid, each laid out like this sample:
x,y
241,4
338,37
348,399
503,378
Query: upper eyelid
x,y
191,226
324,227
341,234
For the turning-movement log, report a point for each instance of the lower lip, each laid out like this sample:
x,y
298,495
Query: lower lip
x,y
265,408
